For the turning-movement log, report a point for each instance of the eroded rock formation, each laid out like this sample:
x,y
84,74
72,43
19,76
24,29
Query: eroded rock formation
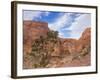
x,y
62,52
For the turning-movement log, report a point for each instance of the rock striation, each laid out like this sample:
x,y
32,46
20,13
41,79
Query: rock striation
x,y
65,52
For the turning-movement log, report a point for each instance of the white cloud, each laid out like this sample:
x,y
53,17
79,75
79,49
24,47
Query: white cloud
x,y
46,13
34,15
60,22
60,34
80,24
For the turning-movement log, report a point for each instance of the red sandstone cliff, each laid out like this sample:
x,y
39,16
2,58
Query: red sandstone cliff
x,y
75,46
65,50
32,31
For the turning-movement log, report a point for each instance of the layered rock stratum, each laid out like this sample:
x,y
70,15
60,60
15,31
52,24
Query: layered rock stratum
x,y
67,52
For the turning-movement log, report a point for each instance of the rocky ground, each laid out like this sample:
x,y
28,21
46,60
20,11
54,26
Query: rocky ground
x,y
68,61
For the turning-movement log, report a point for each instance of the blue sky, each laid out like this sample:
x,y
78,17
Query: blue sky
x,y
68,24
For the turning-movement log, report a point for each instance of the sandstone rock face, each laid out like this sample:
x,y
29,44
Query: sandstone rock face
x,y
65,52
85,40
33,30
75,46
86,37
79,50
69,45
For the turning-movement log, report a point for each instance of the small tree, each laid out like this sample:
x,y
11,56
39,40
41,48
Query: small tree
x,y
52,34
